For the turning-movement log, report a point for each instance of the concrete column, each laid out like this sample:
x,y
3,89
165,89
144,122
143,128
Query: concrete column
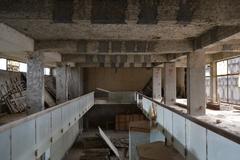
x,y
62,78
170,83
196,83
181,92
213,82
35,83
75,83
157,83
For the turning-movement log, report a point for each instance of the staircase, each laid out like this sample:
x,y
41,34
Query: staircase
x,y
147,89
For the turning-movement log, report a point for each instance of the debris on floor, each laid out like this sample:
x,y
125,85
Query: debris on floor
x,y
91,146
13,94
108,142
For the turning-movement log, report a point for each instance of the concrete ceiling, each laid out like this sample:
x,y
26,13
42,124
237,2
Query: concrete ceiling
x,y
175,26
46,30
75,19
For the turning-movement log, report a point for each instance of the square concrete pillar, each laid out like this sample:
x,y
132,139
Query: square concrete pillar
x,y
213,82
196,84
75,83
62,77
170,83
157,83
181,79
35,83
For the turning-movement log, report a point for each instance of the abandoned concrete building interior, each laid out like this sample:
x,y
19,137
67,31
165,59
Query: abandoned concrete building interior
x,y
119,79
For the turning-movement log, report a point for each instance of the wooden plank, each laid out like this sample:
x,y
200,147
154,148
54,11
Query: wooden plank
x,y
108,142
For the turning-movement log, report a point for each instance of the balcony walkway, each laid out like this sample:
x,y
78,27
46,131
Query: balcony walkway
x,y
228,120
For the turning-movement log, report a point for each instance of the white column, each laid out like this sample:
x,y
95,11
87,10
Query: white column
x,y
196,83
157,83
170,83
213,82
35,83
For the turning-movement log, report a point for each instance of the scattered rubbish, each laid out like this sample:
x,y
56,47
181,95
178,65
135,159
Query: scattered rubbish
x,y
109,143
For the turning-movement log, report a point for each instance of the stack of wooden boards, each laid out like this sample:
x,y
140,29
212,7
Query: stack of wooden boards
x,y
122,120
13,94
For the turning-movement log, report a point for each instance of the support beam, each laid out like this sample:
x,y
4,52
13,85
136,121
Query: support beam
x,y
118,47
121,60
196,84
170,83
157,83
62,78
213,82
216,36
12,41
118,65
116,58
221,56
35,83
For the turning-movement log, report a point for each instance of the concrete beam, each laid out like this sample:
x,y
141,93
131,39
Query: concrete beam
x,y
122,60
115,58
118,65
216,36
231,46
115,47
12,41
52,57
221,56
173,46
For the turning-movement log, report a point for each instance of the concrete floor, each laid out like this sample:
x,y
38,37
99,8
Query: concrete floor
x,y
226,119
158,151
86,147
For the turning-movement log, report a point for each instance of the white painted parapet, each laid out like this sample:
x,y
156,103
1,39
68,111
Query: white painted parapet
x,y
193,138
54,129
